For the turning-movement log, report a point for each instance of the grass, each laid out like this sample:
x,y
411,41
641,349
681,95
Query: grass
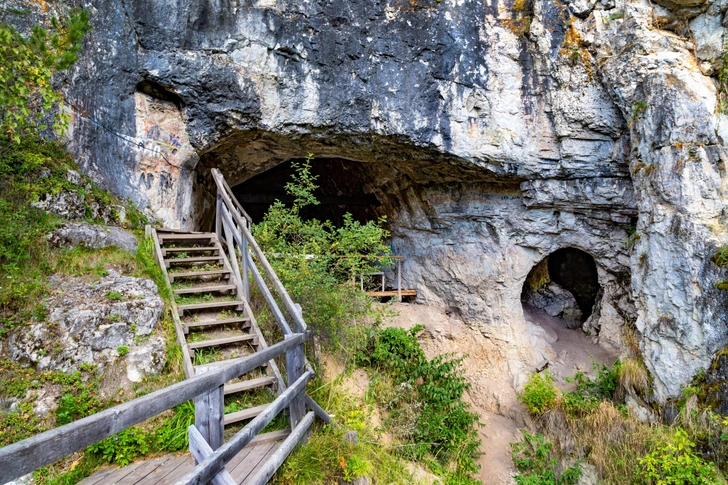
x,y
594,425
327,456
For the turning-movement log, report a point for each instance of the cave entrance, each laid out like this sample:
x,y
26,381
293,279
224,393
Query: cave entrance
x,y
565,285
344,186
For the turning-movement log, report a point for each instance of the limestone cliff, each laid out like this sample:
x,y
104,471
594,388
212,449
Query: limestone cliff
x,y
496,132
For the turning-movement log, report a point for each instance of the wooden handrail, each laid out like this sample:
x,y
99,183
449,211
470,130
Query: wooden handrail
x,y
280,318
300,324
45,448
211,466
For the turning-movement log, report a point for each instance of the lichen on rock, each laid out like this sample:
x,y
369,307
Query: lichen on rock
x,y
88,321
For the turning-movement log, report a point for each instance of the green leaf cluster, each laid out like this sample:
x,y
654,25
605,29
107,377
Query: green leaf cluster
x,y
425,402
27,65
537,465
540,394
675,463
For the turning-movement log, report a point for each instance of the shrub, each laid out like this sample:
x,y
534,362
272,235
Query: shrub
x,y
675,462
122,350
26,68
537,465
316,260
72,407
539,394
124,447
425,400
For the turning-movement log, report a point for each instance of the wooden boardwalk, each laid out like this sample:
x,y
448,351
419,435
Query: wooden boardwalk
x,y
167,469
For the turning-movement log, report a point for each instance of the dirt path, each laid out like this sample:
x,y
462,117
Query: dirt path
x,y
572,350
492,394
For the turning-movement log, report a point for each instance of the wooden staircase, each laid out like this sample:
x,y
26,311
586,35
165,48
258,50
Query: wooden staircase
x,y
212,316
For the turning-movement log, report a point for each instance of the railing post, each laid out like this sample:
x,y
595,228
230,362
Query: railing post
x,y
399,280
218,216
246,281
210,417
295,364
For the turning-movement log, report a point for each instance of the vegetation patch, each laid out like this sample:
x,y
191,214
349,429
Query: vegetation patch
x,y
423,399
592,424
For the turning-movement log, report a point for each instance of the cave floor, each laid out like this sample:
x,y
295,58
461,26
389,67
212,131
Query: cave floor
x,y
571,351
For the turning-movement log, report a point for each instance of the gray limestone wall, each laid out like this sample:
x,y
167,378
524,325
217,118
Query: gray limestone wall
x,y
497,133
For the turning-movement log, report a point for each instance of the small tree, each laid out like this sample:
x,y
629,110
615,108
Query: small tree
x,y
315,259
27,65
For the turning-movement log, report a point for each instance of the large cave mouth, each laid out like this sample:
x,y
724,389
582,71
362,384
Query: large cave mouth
x,y
345,186
565,285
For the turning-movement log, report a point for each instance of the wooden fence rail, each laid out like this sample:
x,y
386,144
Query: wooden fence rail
x,y
43,449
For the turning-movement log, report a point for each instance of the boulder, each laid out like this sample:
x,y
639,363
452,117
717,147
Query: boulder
x,y
88,322
557,302
92,236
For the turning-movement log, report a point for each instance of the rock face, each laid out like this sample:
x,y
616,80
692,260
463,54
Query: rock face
x,y
93,237
497,133
557,302
98,322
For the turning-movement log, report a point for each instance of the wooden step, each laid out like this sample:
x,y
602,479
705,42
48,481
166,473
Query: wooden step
x,y
166,251
245,414
200,259
205,289
247,385
279,435
238,304
222,341
201,236
197,274
212,323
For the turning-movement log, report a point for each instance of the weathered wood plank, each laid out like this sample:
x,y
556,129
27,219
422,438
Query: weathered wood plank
x,y
238,304
255,460
392,293
244,414
200,449
215,462
30,454
249,384
198,274
173,464
179,329
196,259
320,412
209,412
98,477
183,469
143,470
295,363
166,251
265,473
224,321
221,341
205,289
202,236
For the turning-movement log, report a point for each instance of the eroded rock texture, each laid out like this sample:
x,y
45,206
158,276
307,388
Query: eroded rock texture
x,y
496,134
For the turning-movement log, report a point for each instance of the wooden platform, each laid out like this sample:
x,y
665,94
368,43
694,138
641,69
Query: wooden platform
x,y
392,293
167,469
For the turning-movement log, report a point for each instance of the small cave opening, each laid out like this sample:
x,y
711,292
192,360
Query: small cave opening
x,y
344,186
565,285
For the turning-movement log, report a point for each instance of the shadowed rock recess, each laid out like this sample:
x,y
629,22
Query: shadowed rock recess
x,y
492,134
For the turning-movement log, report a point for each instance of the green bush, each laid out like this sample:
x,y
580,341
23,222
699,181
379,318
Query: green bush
x,y
537,465
539,394
316,260
72,407
425,402
27,64
675,462
124,447
590,392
